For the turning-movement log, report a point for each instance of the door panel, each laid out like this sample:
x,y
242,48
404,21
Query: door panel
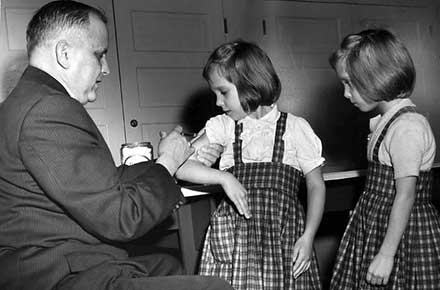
x,y
299,38
163,46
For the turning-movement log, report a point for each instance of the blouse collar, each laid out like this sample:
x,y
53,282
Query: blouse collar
x,y
271,117
381,119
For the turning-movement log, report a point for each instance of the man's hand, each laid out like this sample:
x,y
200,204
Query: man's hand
x,y
173,150
209,153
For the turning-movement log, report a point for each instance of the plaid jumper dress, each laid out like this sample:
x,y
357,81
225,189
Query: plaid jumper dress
x,y
256,254
417,260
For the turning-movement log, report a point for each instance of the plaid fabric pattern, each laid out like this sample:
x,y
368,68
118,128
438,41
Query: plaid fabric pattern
x,y
257,253
417,261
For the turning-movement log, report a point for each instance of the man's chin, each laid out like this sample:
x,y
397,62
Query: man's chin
x,y
91,98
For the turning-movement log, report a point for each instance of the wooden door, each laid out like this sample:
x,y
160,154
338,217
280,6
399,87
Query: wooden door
x,y
105,111
163,46
299,37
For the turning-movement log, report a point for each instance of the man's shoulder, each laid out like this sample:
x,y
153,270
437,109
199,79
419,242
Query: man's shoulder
x,y
27,96
35,100
33,85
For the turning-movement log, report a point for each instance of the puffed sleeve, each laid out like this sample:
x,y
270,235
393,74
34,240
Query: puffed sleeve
x,y
405,143
218,129
304,143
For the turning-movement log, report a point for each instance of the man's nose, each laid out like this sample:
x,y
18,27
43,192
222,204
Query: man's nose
x,y
105,69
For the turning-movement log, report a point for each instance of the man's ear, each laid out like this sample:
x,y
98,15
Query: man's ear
x,y
62,51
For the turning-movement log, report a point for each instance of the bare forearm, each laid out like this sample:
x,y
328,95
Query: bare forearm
x,y
400,212
315,202
315,209
196,172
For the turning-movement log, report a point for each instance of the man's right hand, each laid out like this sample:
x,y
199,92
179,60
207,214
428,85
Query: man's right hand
x,y
173,150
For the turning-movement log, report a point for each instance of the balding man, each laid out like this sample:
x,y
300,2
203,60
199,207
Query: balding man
x,y
63,203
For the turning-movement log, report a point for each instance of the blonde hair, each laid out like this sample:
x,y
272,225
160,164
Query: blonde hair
x,y
378,64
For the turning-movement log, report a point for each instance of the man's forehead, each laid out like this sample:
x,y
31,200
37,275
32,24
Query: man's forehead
x,y
98,33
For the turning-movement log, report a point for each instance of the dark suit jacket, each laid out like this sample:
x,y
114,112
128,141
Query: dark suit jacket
x,y
61,196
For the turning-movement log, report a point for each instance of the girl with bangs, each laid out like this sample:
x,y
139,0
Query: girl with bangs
x,y
259,236
392,240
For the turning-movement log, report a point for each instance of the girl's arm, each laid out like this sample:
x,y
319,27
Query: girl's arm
x,y
382,264
315,201
194,171
315,208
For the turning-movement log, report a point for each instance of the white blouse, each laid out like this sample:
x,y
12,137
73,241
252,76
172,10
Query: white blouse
x,y
409,145
302,148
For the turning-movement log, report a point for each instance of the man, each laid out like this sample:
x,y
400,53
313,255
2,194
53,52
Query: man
x,y
62,201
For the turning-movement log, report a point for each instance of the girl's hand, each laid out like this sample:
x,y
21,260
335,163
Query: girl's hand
x,y
209,153
380,269
302,253
236,193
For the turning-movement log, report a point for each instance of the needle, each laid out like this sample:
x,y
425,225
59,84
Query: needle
x,y
197,136
187,134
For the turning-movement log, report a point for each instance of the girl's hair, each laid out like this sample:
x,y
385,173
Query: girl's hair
x,y
249,68
378,64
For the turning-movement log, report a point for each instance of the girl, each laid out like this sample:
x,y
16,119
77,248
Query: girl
x,y
393,236
268,152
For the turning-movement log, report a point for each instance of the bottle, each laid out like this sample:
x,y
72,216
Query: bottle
x,y
132,153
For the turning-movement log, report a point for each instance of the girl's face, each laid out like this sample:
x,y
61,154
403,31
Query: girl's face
x,y
351,93
226,95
